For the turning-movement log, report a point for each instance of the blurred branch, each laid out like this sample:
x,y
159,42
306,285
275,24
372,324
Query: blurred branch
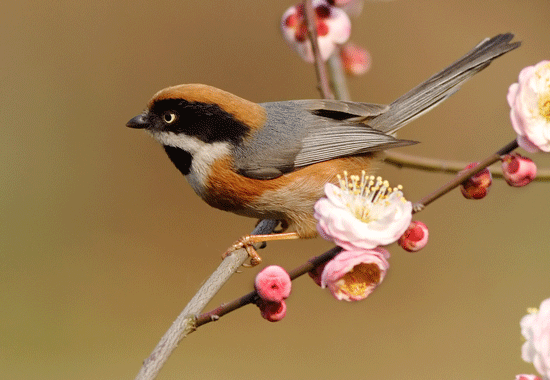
x,y
185,322
442,166
338,77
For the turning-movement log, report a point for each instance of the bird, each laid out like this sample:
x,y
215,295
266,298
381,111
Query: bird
x,y
272,160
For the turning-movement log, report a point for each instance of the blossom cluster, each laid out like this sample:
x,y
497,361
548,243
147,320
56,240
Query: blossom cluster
x,y
362,215
333,29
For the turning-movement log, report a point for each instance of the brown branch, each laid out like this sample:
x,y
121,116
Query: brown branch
x,y
418,206
252,297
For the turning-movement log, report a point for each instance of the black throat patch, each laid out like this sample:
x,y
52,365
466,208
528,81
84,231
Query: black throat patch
x,y
180,158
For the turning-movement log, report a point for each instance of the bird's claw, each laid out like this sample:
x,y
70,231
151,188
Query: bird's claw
x,y
247,245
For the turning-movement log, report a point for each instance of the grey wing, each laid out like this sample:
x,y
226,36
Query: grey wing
x,y
303,132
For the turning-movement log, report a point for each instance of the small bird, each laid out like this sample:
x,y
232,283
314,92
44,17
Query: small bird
x,y
272,160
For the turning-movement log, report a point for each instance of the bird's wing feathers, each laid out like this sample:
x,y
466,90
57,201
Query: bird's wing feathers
x,y
346,139
310,131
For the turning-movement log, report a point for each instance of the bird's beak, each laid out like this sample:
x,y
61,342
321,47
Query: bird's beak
x,y
138,122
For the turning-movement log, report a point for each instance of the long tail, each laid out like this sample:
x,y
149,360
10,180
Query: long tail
x,y
439,87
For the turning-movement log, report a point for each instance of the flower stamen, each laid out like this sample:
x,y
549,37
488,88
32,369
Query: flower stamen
x,y
364,194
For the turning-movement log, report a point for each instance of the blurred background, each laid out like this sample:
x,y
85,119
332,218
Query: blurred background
x,y
102,241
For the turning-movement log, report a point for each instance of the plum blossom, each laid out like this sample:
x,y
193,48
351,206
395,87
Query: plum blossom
x,y
529,101
535,328
273,284
333,28
353,275
362,213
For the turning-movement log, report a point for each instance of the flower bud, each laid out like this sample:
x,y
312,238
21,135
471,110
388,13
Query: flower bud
x,y
273,311
518,170
355,59
477,186
273,284
527,377
415,237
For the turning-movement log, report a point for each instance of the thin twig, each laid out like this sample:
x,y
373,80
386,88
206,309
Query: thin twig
x,y
251,297
185,322
464,176
320,68
402,160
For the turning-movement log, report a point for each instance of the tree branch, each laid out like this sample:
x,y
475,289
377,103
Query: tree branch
x,y
185,322
443,166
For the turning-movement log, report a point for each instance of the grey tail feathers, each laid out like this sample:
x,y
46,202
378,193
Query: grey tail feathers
x,y
440,86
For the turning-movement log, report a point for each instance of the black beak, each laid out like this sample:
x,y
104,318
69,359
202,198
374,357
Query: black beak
x,y
138,122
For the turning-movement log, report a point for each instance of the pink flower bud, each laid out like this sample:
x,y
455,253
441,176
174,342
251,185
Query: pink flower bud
x,y
477,186
273,311
527,377
518,170
415,237
333,28
353,275
355,59
273,284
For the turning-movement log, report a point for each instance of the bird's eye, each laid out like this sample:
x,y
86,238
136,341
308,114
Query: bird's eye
x,y
169,117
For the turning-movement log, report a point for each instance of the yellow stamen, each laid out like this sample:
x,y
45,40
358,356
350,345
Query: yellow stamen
x,y
544,106
360,278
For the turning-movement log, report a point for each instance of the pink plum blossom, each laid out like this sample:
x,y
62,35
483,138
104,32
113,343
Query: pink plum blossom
x,y
273,284
529,101
535,328
333,28
353,275
362,213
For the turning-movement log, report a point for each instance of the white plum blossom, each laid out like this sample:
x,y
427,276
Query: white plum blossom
x,y
363,213
535,328
529,100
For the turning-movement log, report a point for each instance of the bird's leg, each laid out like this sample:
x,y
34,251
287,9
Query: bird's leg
x,y
247,242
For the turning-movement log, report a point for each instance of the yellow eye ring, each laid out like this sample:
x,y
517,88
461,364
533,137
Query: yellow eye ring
x,y
169,117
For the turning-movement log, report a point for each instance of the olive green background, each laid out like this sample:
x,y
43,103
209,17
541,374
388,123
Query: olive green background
x,y
102,242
